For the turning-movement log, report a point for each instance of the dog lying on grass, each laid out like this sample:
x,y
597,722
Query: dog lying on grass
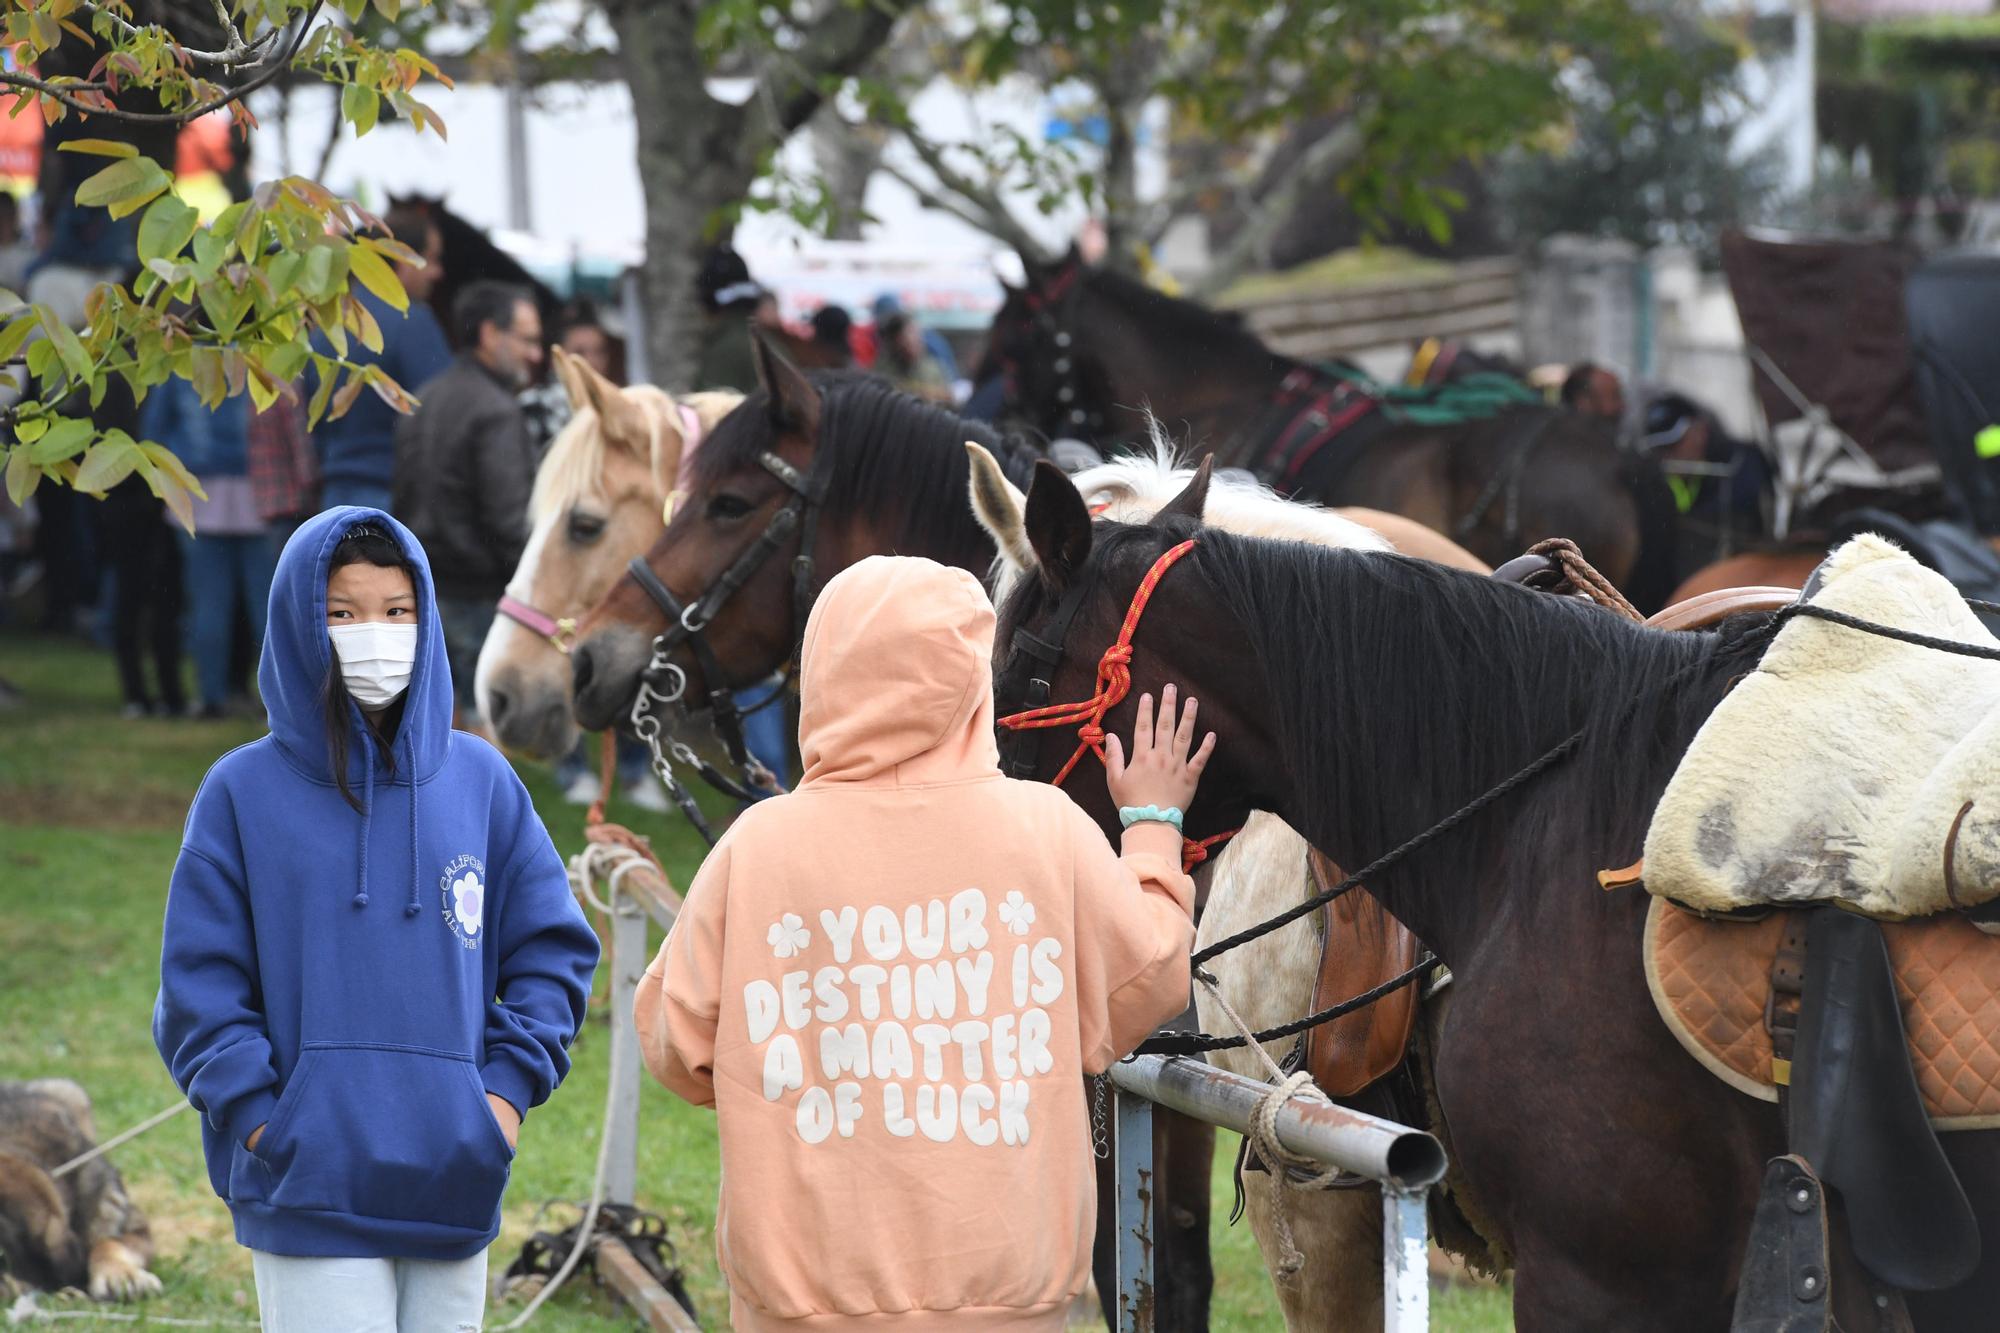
x,y
81,1230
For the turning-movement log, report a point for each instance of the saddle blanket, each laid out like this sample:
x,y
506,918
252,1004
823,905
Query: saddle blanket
x,y
1846,767
1711,981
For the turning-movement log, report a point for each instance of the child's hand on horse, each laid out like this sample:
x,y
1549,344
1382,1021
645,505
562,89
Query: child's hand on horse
x,y
1161,771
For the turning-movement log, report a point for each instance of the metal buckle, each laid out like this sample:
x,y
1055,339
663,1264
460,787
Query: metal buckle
x,y
688,622
563,637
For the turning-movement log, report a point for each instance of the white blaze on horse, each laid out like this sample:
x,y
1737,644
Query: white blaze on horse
x,y
598,501
1260,872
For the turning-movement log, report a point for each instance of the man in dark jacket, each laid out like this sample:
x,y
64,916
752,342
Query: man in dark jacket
x,y
465,465
357,453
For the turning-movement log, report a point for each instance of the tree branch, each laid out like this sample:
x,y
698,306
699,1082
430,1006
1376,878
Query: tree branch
x,y
64,92
977,205
1252,242
837,44
237,52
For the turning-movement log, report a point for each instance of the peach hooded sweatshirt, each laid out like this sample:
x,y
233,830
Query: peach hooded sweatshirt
x,y
890,983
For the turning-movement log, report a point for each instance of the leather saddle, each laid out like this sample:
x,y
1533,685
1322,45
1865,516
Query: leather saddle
x,y
1361,946
1856,1121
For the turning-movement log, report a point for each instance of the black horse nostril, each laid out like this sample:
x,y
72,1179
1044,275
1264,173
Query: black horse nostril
x,y
497,705
581,669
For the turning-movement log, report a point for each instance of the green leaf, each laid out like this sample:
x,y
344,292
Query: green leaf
x,y
168,462
98,147
286,360
123,186
66,438
68,346
378,277
210,249
318,282
22,477
360,105
284,271
263,389
16,333
389,9
316,409
106,464
166,229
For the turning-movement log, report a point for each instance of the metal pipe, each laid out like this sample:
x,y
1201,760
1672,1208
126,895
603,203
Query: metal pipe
x,y
1406,1271
621,1130
1134,1196
1398,1156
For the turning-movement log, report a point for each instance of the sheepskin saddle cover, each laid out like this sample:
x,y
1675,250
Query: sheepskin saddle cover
x,y
1711,981
1846,767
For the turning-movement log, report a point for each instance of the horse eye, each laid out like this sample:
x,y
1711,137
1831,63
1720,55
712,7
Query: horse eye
x,y
725,506
585,528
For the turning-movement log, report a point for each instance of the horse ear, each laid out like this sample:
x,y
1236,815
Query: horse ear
x,y
1193,499
794,403
1058,525
566,375
624,422
996,502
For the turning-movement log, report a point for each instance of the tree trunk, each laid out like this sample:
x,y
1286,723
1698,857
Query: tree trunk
x,y
1123,86
688,170
846,156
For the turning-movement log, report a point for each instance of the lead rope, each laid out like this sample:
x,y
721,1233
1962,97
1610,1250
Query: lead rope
x,y
1114,682
1291,1171
1583,576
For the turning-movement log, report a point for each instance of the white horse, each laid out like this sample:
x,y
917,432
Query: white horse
x,y
598,501
1261,871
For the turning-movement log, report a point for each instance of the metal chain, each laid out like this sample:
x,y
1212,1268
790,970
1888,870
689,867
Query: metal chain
x,y
1100,1125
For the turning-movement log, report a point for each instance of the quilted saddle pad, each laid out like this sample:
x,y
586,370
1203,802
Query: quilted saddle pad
x,y
1846,767
1711,980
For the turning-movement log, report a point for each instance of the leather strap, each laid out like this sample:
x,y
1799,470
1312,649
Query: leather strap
x,y
1781,1011
561,634
1709,608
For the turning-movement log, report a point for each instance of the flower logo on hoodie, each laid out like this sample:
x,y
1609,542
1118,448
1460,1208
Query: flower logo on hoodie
x,y
1016,913
463,888
788,935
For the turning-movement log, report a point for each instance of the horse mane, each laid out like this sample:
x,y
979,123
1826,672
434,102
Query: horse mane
x,y
1173,320
573,467
1453,682
892,454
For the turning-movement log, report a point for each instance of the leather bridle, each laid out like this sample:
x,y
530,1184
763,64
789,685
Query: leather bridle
x,y
1114,682
1051,308
663,683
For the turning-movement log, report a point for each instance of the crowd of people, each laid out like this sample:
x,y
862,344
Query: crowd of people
x,y
458,471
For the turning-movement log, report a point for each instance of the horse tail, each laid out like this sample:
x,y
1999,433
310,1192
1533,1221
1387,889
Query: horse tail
x,y
1654,571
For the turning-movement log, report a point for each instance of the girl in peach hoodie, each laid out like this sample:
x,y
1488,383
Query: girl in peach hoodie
x,y
890,982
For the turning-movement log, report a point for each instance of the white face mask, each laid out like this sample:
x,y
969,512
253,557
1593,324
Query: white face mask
x,y
375,660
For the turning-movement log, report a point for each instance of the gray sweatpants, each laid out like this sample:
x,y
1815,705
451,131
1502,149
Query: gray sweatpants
x,y
298,1295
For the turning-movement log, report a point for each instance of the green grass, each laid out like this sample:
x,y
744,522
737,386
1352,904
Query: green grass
x,y
90,815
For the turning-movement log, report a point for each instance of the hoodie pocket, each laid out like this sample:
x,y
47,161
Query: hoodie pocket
x,y
397,1132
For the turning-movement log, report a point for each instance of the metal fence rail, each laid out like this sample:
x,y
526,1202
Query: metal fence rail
x,y
1405,1162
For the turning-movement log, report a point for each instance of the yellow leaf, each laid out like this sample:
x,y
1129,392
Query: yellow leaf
x,y
22,476
377,276
98,147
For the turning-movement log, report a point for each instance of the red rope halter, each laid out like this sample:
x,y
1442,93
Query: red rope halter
x,y
1114,682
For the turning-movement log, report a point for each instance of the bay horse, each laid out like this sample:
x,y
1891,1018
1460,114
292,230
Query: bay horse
x,y
1257,874
1362,697
1090,352
897,477
596,504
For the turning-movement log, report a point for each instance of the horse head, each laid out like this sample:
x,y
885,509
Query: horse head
x,y
1080,582
726,500
596,504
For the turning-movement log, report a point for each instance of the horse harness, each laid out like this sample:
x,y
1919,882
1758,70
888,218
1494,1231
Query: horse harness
x,y
664,683
1051,310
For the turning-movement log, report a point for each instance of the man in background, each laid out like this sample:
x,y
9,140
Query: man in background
x,y
464,465
1594,391
357,453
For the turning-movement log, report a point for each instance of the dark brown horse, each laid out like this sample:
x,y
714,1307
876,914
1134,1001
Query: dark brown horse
x,y
1087,352
1362,697
896,472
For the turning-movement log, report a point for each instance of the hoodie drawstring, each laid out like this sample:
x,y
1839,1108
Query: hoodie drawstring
x,y
410,758
367,813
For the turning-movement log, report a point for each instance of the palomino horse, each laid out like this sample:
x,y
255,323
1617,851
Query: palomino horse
x,y
1363,697
1090,352
596,504
1258,873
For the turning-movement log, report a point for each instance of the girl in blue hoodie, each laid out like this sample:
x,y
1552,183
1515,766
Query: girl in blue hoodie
x,y
373,965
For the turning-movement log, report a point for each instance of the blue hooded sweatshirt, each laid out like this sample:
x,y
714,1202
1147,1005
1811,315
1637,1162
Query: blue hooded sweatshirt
x,y
332,975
